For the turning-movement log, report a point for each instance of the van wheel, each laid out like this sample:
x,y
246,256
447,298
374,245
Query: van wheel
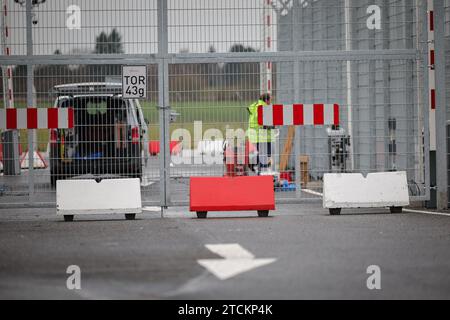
x,y
335,211
396,209
130,216
263,213
53,181
68,217
202,214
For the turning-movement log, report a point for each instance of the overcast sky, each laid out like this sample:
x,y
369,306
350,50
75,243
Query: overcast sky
x,y
194,25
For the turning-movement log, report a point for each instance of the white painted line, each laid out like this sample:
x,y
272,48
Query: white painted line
x,y
427,212
237,260
406,210
153,209
145,182
230,251
313,192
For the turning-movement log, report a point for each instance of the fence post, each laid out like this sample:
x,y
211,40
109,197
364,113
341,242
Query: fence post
x,y
163,102
441,114
30,83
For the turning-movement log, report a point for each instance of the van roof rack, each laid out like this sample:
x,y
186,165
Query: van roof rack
x,y
88,88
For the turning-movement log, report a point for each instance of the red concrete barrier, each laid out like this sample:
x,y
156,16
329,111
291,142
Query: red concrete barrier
x,y
232,194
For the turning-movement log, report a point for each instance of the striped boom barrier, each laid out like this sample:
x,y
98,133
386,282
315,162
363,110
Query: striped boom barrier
x,y
36,118
298,115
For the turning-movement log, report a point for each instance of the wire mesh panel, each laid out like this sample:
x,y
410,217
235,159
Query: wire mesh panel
x,y
386,123
111,136
208,63
87,27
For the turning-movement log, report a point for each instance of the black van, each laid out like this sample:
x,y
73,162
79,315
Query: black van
x,y
109,135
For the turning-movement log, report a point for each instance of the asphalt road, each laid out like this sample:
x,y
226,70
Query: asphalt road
x,y
317,255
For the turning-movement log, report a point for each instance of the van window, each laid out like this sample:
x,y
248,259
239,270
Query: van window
x,y
96,106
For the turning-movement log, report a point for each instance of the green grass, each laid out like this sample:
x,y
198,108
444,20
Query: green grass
x,y
216,114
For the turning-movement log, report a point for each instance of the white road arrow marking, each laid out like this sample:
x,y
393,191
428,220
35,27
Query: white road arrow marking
x,y
237,260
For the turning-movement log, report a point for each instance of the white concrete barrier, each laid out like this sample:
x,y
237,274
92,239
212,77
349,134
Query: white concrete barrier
x,y
108,196
352,190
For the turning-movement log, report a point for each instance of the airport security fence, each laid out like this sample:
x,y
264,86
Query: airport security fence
x,y
207,62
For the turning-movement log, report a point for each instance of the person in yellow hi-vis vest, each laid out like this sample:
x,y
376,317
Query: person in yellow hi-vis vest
x,y
261,136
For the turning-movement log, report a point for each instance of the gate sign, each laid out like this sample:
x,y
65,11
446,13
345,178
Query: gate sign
x,y
134,82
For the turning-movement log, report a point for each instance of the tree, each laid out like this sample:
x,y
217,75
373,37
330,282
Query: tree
x,y
243,75
108,43
101,43
115,42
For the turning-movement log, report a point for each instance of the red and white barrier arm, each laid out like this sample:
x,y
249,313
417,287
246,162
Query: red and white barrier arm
x,y
36,118
298,115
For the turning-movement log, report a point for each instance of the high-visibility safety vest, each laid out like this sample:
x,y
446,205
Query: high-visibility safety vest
x,y
255,132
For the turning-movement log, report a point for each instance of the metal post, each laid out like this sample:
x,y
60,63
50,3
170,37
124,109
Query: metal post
x,y
297,149
431,101
348,47
163,102
419,150
441,114
266,67
30,82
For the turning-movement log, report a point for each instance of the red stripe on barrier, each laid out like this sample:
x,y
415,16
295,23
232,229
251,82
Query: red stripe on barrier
x,y
260,115
318,114
70,117
7,51
9,94
269,84
11,118
277,114
431,20
268,42
52,118
433,99
268,20
432,58
336,114
6,31
9,73
298,114
32,118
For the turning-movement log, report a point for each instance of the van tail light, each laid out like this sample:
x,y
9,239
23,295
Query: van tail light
x,y
53,136
135,135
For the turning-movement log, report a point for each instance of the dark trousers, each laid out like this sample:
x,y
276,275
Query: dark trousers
x,y
264,153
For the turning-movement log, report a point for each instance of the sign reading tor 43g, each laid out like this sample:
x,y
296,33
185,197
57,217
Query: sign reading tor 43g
x,y
134,82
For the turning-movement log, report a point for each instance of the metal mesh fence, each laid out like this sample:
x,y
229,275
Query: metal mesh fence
x,y
87,27
386,121
221,56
